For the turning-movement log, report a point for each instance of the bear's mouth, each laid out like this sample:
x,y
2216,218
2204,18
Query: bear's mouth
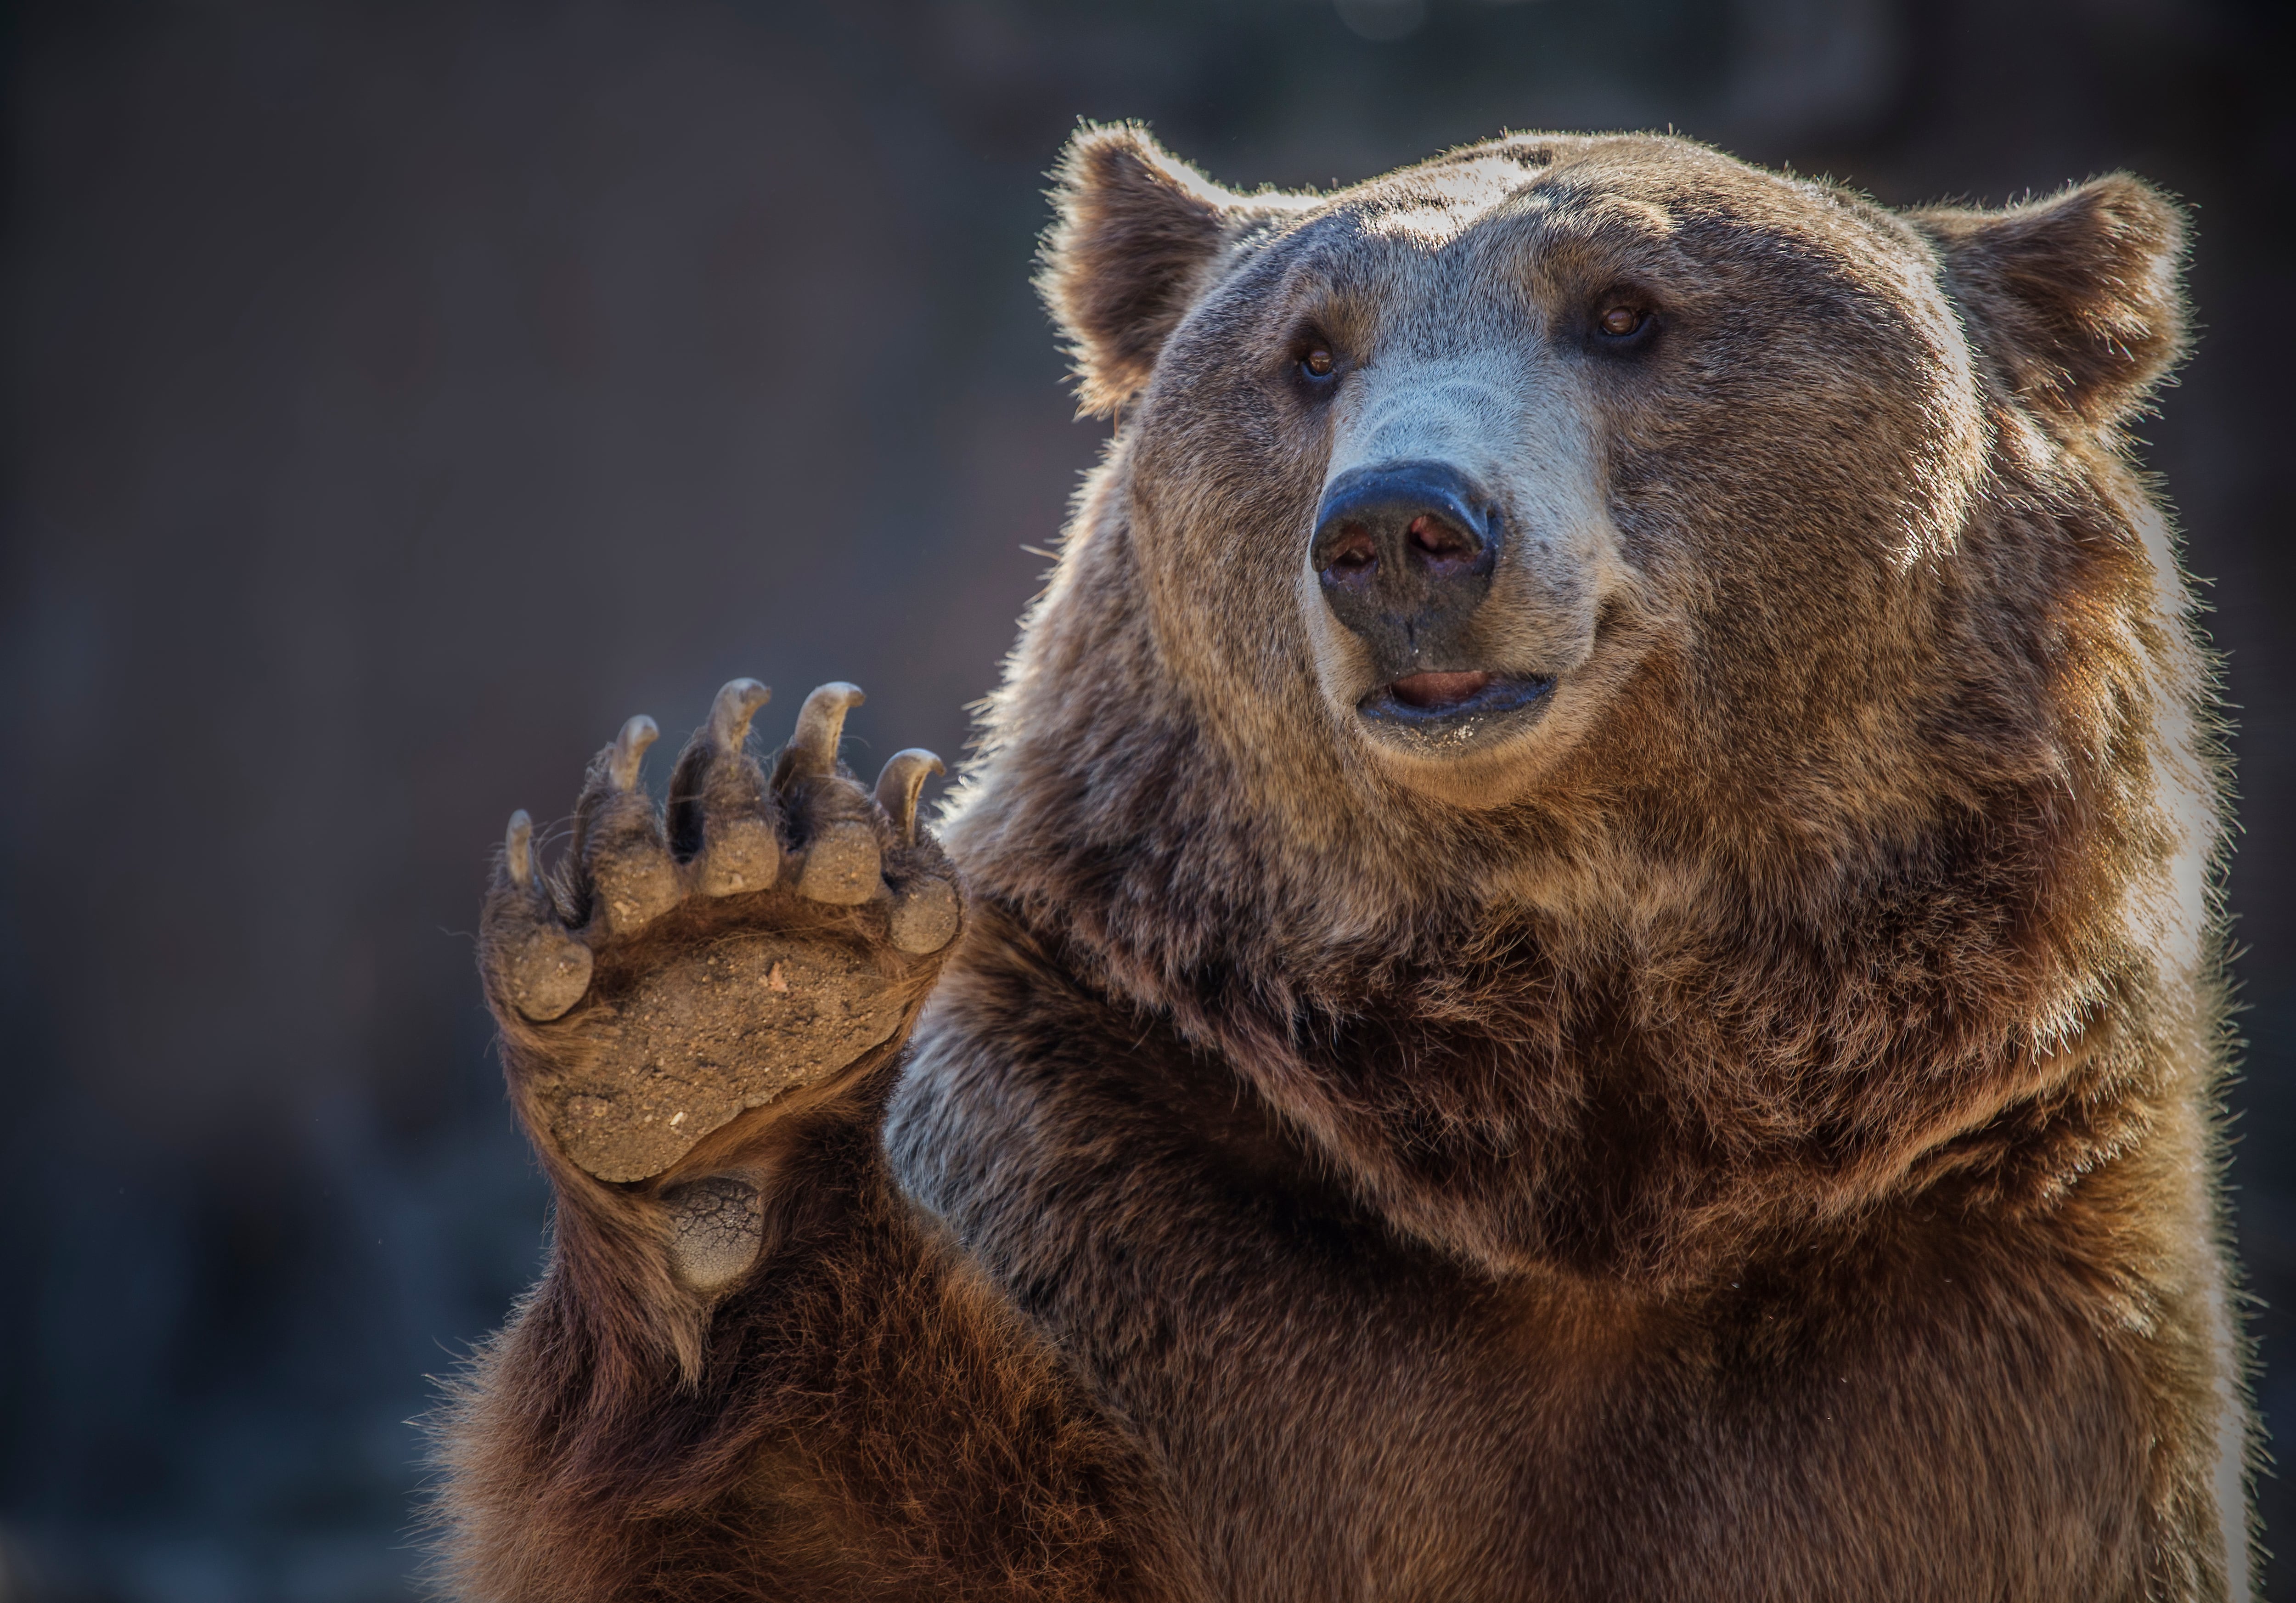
x,y
1439,692
1451,710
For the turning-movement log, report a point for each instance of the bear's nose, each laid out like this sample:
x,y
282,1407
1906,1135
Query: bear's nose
x,y
1404,551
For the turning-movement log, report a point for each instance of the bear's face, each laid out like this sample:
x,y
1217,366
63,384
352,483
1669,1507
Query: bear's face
x,y
1554,453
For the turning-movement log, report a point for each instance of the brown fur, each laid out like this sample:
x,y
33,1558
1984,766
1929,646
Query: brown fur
x,y
1751,1138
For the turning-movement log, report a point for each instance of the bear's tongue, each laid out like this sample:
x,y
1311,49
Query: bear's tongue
x,y
1438,689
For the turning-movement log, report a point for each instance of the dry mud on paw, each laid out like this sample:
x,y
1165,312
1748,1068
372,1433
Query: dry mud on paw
x,y
713,1032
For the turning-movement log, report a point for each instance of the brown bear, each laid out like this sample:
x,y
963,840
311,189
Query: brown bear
x,y
1585,966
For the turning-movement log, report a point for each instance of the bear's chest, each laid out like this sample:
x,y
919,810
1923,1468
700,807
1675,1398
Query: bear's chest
x,y
1346,1422
1344,1417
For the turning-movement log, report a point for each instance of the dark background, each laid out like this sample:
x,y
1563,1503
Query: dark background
x,y
397,396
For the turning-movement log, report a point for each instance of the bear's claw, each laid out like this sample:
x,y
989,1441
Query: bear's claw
x,y
697,1017
627,754
820,724
617,838
730,714
898,784
544,969
518,850
842,864
721,819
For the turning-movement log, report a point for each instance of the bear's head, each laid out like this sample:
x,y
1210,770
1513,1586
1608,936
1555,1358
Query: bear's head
x,y
1475,439
1573,568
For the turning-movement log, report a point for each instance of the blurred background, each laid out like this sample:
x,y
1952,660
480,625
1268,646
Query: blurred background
x,y
399,395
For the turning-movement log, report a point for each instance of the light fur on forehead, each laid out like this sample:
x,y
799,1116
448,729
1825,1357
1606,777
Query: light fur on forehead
x,y
1135,235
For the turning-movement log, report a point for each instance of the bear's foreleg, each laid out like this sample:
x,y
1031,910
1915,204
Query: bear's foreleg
x,y
753,1368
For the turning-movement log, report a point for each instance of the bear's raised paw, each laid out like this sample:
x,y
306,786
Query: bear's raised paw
x,y
682,966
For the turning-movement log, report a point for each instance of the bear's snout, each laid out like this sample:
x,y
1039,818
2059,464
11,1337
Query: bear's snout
x,y
1404,551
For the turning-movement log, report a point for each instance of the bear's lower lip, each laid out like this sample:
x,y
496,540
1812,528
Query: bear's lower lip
x,y
1448,710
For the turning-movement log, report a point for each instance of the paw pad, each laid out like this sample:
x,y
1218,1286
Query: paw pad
x,y
709,1034
733,1002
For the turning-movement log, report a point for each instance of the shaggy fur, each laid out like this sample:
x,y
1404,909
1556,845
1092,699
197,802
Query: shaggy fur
x,y
1750,1137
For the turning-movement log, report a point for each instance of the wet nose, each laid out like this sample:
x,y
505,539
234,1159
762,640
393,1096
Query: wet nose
x,y
1404,551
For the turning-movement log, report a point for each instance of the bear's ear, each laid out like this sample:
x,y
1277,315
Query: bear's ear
x,y
1136,232
2077,296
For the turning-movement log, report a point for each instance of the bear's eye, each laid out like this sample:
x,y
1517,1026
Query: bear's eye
x,y
1620,321
1317,363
